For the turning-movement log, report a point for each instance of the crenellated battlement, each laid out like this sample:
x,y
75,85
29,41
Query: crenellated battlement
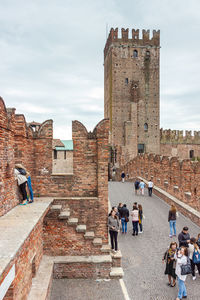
x,y
135,39
179,136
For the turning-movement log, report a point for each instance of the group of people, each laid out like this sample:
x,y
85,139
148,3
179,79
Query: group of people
x,y
140,186
181,259
119,217
24,180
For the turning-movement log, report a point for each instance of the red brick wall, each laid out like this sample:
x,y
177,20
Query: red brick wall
x,y
168,173
32,247
20,144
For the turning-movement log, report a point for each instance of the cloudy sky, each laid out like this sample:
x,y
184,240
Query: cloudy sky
x,y
51,57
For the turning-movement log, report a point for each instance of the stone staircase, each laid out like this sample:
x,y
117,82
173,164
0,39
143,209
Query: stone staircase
x,y
64,215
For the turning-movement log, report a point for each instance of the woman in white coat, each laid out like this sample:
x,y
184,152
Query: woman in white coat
x,y
181,260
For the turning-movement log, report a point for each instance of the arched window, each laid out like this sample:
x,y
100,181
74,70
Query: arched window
x,y
135,53
145,127
148,53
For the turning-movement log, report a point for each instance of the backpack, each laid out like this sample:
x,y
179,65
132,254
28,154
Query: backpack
x,y
21,171
196,257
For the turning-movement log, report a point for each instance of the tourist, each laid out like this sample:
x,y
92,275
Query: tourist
x,y
113,225
137,186
194,255
184,237
20,176
140,210
135,219
181,260
198,240
119,208
172,220
150,187
142,186
169,258
123,176
116,211
124,217
29,187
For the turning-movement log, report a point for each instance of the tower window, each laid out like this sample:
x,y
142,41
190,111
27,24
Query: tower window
x,y
145,127
55,154
191,153
135,53
147,53
140,148
126,80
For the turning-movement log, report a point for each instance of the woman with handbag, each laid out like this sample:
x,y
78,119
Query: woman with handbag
x,y
182,260
169,257
113,225
194,253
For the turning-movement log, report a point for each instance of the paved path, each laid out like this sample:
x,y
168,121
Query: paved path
x,y
142,254
144,272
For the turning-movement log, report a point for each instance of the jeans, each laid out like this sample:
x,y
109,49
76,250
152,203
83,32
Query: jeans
x,y
113,238
140,225
150,191
135,227
193,267
124,225
172,226
30,188
181,289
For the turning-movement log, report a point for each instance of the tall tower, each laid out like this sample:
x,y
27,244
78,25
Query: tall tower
x,y
131,92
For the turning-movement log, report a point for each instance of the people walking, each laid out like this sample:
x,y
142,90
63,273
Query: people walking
x,y
124,217
184,237
113,225
135,219
20,176
142,186
150,187
140,210
194,255
181,260
137,186
172,221
169,258
123,176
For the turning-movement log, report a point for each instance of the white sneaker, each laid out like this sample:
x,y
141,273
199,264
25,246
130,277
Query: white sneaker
x,y
194,278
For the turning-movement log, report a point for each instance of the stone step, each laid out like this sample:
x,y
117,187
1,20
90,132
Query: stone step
x,y
97,242
72,221
81,228
65,214
89,235
105,249
116,272
56,207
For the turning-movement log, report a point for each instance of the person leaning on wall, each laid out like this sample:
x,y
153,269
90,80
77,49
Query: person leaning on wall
x,y
20,176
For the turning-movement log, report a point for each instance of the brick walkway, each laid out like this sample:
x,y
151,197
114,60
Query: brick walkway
x,y
144,272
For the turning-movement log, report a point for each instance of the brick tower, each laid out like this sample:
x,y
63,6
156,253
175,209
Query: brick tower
x,y
131,87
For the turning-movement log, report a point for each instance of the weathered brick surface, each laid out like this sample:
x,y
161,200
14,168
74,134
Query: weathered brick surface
x,y
82,270
32,248
178,178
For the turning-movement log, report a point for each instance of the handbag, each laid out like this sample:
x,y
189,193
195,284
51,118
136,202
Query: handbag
x,y
126,219
186,269
196,257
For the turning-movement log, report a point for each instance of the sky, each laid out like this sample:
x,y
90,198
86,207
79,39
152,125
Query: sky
x,y
51,58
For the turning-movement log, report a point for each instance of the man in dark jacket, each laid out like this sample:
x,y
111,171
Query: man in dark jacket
x,y
184,237
124,214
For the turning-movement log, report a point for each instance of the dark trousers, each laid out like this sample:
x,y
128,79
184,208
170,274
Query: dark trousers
x,y
23,190
113,238
150,191
193,267
135,227
140,224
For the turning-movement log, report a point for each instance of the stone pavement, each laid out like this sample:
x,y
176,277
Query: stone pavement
x,y
142,256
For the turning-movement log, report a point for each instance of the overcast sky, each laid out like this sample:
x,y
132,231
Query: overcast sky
x,y
51,57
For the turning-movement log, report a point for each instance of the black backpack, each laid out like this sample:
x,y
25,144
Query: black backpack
x,y
21,171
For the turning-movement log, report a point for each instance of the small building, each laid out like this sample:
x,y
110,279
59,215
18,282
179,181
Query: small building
x,y
62,156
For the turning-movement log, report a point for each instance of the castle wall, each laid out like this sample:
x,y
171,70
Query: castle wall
x,y
180,178
19,144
